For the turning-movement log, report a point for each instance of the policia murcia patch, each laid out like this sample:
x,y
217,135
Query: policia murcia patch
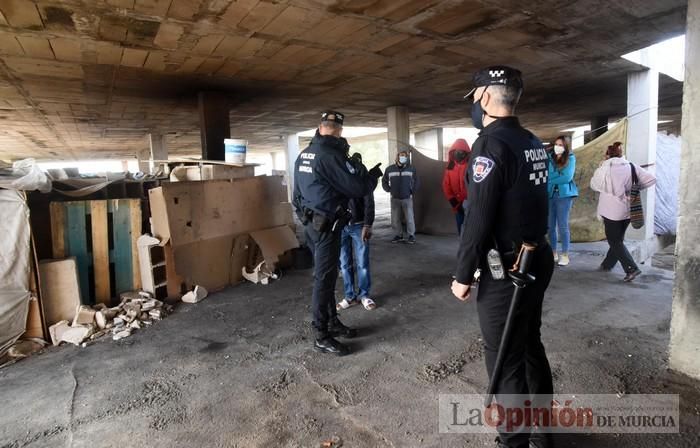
x,y
482,167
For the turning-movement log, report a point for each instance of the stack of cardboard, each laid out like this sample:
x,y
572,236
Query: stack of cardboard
x,y
208,226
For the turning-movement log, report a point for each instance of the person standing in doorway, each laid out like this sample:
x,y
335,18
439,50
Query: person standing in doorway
x,y
562,190
454,181
613,179
401,181
355,240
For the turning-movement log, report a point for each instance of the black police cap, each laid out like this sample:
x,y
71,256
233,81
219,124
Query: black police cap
x,y
331,115
500,75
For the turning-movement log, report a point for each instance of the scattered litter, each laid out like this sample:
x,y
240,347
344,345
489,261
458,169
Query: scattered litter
x,y
196,295
261,274
335,442
136,310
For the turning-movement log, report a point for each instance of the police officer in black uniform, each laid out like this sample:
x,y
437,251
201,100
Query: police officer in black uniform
x,y
324,180
507,184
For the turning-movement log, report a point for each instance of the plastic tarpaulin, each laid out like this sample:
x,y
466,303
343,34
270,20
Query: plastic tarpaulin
x,y
668,173
584,222
15,253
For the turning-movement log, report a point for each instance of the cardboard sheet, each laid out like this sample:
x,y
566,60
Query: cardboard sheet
x,y
60,289
208,224
275,242
14,267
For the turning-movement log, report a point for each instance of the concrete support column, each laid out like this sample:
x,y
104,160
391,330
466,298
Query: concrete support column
x,y
398,131
214,124
158,153
685,322
643,110
430,143
291,154
144,161
599,126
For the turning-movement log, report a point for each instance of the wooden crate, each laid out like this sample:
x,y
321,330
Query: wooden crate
x,y
101,235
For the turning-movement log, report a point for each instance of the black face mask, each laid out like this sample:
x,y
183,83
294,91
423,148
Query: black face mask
x,y
478,113
459,156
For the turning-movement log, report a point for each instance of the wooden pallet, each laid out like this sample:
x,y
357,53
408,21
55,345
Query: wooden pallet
x,y
101,235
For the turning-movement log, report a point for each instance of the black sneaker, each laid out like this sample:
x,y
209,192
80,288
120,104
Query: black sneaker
x,y
411,240
397,239
632,275
337,329
330,345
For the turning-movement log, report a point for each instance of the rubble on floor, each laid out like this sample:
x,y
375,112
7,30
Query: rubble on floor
x,y
137,309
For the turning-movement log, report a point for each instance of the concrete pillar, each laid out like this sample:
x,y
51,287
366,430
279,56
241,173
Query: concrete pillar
x,y
214,124
144,161
643,112
685,322
398,131
292,153
430,143
599,126
158,152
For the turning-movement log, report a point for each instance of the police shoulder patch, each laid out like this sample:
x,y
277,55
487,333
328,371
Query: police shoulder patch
x,y
350,168
481,168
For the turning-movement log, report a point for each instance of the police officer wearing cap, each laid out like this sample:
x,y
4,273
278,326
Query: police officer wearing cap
x,y
324,180
507,184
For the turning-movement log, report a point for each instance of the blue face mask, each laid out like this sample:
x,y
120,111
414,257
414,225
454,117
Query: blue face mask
x,y
403,160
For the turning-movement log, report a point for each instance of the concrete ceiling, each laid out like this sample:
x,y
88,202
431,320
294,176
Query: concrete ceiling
x,y
90,78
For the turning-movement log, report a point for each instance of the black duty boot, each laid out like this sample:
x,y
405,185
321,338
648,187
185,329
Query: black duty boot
x,y
337,329
330,345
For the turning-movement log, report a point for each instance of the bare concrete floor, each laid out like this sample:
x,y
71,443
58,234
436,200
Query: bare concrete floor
x,y
237,369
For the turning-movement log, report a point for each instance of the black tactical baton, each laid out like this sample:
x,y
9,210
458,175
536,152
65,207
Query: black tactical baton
x,y
521,278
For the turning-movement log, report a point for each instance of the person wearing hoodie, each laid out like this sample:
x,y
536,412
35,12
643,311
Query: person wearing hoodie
x,y
453,181
355,239
613,179
401,181
562,190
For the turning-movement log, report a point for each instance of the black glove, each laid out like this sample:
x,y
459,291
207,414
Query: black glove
x,y
454,202
376,172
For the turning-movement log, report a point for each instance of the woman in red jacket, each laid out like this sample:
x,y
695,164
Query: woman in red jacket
x,y
453,181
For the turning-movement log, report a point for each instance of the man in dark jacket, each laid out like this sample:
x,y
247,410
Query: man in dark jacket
x,y
324,180
355,239
401,181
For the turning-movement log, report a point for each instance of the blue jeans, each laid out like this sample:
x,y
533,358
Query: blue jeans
x,y
351,242
559,209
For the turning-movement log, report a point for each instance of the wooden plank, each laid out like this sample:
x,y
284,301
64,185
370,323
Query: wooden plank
x,y
58,220
135,223
100,251
121,253
76,246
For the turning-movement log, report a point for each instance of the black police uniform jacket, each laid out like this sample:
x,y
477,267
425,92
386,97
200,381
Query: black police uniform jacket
x,y
324,177
507,184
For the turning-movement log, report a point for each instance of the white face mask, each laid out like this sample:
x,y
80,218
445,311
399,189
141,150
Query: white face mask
x,y
559,150
403,160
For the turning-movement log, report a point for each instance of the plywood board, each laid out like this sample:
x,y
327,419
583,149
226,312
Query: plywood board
x,y
100,251
59,288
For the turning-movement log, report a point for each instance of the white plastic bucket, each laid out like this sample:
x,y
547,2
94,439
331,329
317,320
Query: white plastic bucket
x,y
235,150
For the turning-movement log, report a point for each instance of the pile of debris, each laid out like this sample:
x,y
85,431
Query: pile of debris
x,y
136,310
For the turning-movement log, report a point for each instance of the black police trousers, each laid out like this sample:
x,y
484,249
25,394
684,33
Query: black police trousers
x,y
325,248
526,369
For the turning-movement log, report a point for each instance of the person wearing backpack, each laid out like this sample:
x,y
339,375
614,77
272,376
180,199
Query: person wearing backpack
x,y
614,181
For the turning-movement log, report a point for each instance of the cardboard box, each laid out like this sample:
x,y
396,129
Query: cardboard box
x,y
60,293
207,224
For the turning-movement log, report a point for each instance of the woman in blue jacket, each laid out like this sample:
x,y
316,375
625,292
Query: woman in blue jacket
x,y
562,191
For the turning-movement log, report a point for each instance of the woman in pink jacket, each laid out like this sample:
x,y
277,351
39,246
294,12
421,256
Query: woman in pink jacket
x,y
613,179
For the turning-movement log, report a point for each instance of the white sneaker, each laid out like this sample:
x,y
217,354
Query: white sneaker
x,y
564,260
